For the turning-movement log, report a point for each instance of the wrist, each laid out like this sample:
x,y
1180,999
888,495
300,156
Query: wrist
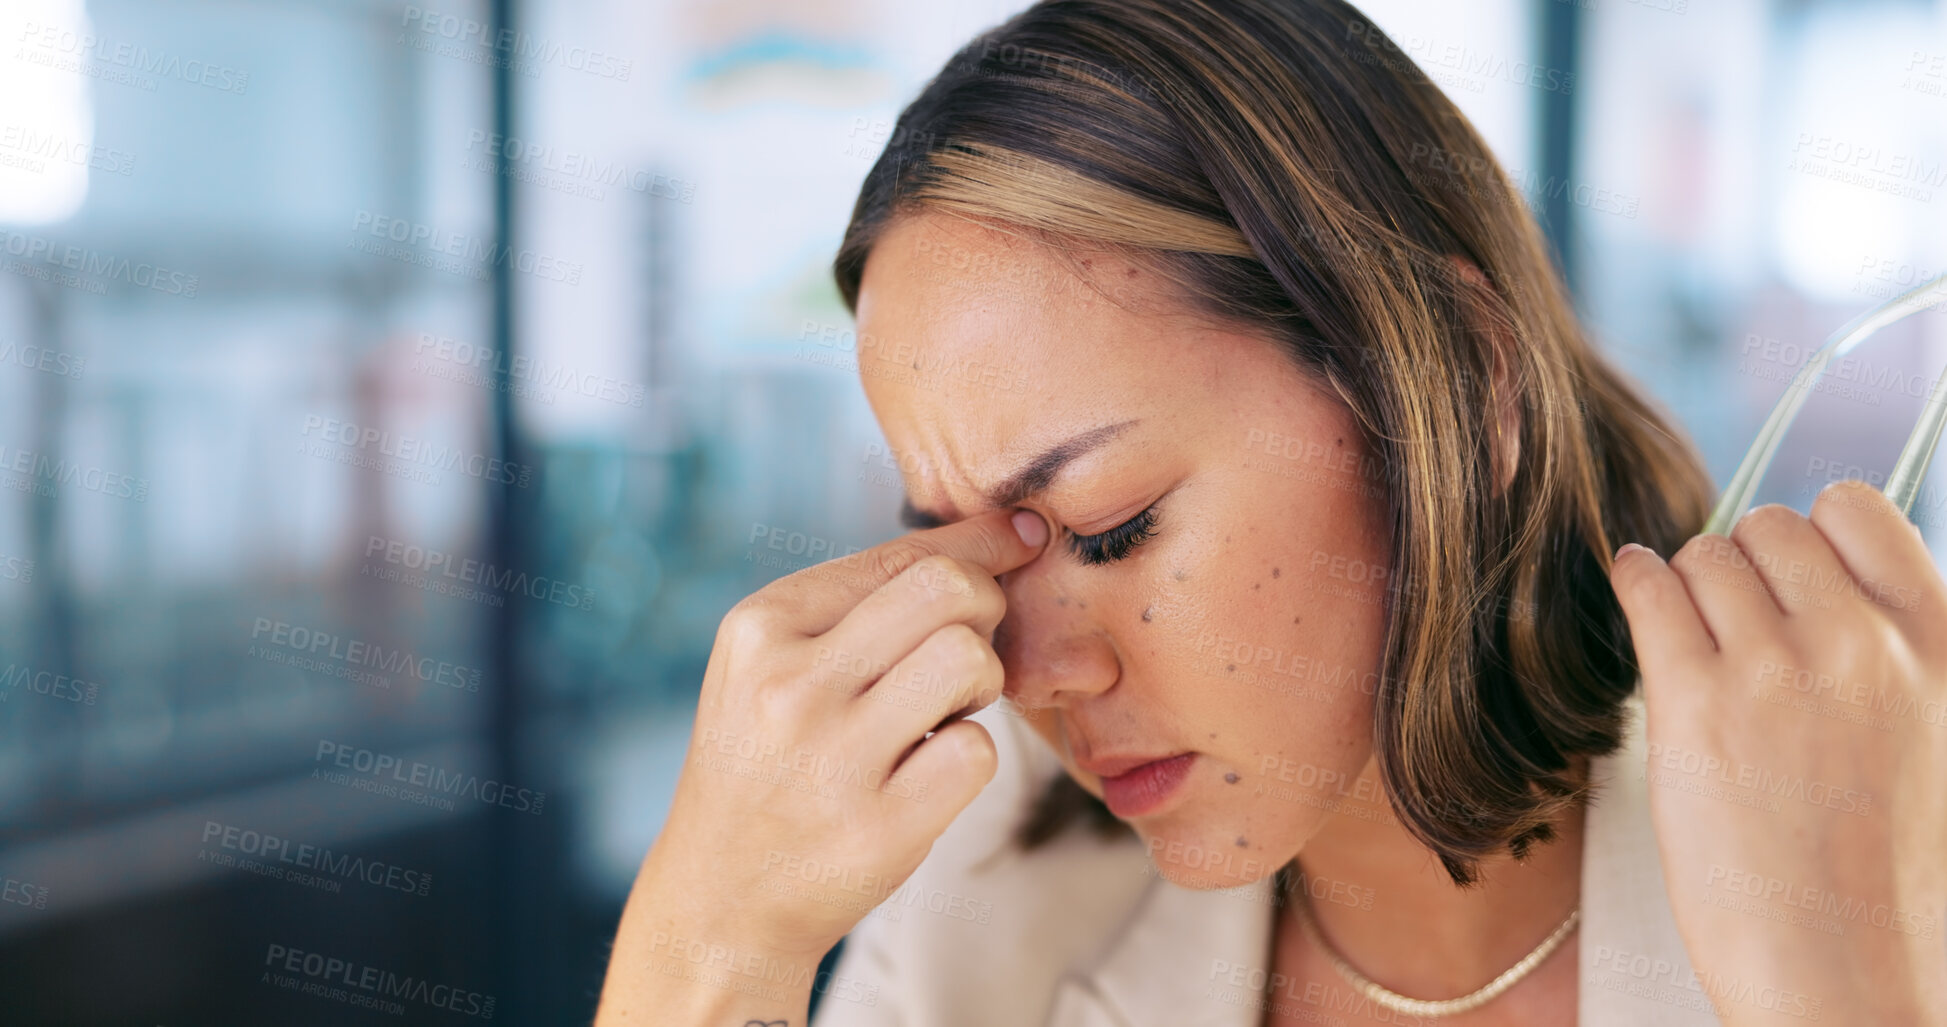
x,y
681,995
682,906
681,961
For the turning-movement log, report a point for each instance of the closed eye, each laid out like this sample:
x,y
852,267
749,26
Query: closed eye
x,y
1115,543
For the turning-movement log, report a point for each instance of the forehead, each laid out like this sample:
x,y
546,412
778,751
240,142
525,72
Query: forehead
x,y
978,347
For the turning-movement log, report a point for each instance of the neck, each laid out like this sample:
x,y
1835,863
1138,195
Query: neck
x,y
1387,906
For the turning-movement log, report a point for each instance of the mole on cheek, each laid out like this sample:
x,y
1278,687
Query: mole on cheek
x,y
1241,842
1146,612
1274,572
1180,574
1230,777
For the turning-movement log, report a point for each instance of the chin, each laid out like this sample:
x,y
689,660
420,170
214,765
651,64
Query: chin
x,y
1205,859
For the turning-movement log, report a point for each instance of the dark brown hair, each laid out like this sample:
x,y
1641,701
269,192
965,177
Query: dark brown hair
x,y
1293,172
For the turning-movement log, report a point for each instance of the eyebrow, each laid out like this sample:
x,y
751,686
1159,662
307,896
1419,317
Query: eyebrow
x,y
1034,478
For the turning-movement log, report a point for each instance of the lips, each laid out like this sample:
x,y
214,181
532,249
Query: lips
x,y
1142,785
1116,766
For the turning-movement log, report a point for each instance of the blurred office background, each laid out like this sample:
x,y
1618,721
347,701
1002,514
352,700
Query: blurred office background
x,y
500,334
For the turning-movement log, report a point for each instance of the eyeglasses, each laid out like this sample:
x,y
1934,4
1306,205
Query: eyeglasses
x,y
1903,485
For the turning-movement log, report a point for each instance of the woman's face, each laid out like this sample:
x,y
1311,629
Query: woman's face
x,y
1243,635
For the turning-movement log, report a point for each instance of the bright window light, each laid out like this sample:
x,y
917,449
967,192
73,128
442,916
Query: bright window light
x,y
47,122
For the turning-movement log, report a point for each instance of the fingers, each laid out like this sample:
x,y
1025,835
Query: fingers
x,y
947,587
1724,587
953,671
929,595
953,766
1802,573
1664,623
1879,547
820,596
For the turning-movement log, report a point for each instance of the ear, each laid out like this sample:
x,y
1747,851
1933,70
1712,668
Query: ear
x,y
1483,307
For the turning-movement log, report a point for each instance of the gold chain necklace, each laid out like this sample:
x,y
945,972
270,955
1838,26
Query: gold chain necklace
x,y
1424,1007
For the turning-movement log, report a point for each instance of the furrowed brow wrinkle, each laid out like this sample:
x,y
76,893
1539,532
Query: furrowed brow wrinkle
x,y
1042,470
1030,480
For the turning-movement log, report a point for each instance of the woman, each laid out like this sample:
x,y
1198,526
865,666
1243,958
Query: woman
x,y
1267,480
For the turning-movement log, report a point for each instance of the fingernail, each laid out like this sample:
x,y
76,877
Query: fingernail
x,y
1628,547
1030,527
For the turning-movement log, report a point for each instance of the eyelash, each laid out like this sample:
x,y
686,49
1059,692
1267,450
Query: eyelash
x,y
1115,543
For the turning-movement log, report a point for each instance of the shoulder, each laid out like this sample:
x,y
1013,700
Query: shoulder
x,y
983,932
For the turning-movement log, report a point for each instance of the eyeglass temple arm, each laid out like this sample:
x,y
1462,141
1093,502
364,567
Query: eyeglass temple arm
x,y
1903,485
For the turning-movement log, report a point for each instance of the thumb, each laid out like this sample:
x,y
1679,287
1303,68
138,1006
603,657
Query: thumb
x,y
997,541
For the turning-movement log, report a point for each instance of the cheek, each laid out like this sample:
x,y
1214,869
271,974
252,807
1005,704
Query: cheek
x,y
1270,672
1259,640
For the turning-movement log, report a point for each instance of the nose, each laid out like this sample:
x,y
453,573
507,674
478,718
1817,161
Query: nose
x,y
1052,645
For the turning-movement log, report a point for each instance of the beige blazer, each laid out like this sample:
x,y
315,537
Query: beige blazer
x,y
1084,933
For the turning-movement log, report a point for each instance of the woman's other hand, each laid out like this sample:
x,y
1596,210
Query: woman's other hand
x,y
1795,678
811,789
